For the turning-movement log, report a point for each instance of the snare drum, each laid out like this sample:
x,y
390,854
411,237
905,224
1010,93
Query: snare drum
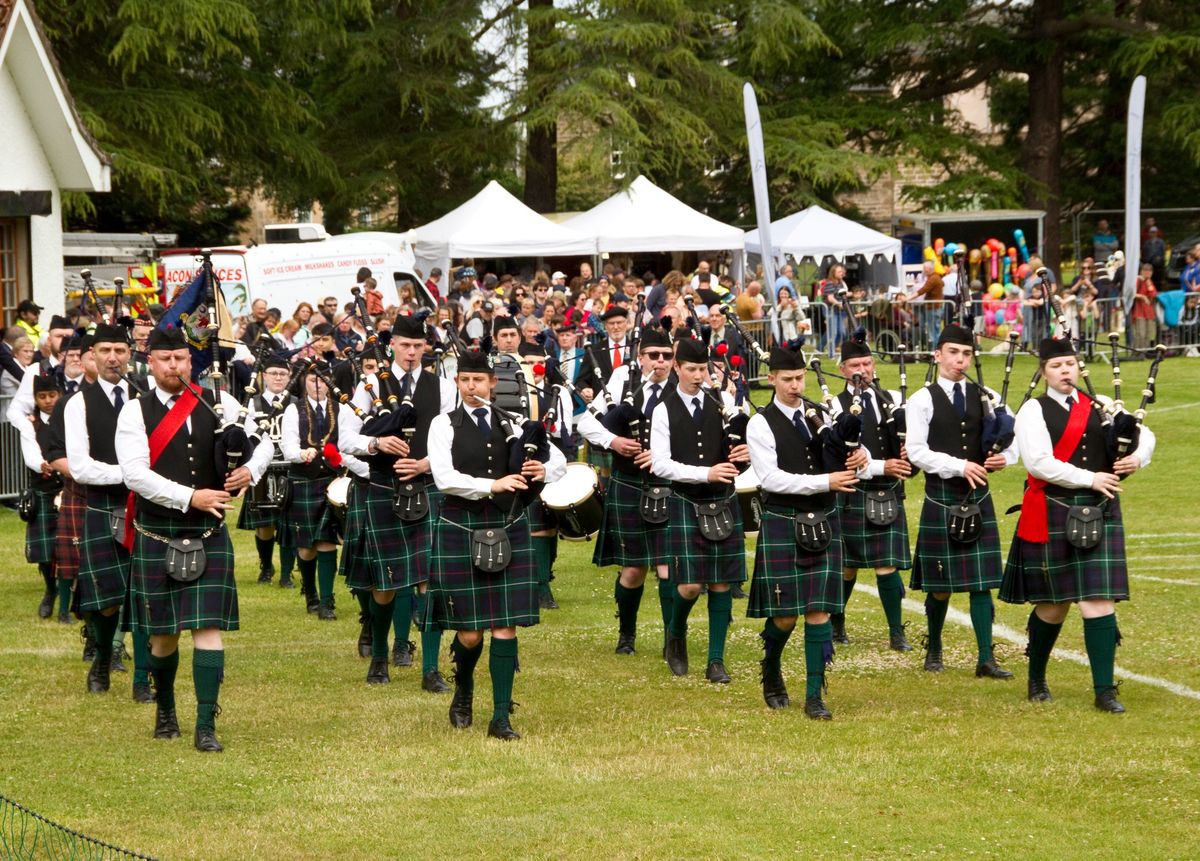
x,y
338,496
577,501
270,495
750,501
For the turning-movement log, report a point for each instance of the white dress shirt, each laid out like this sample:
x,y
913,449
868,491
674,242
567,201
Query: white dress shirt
x,y
765,459
661,462
450,480
23,405
289,438
351,439
1037,451
133,451
31,452
84,468
919,412
591,428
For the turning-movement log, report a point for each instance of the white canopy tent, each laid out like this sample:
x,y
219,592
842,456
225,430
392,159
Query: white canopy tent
x,y
817,233
643,217
494,223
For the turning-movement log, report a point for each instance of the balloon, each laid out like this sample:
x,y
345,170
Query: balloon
x,y
1019,236
990,329
1013,313
1012,253
1002,331
939,245
996,291
996,245
1017,327
1023,271
929,253
950,248
975,255
989,317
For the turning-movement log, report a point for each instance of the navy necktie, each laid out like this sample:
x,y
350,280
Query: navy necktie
x,y
72,385
801,425
652,401
319,431
1070,401
405,386
118,398
960,400
697,412
868,413
485,426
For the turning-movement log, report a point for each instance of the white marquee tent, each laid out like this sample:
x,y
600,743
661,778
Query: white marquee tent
x,y
494,224
817,233
643,217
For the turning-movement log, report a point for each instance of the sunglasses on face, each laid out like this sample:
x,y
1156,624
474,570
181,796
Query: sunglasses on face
x,y
661,355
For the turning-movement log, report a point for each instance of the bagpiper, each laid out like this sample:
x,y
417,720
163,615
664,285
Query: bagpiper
x,y
483,575
182,575
1069,547
798,559
958,545
38,507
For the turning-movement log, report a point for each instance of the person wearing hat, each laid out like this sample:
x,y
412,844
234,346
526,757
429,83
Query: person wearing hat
x,y
1072,473
479,324
867,542
794,579
28,314
22,406
390,521
958,544
687,441
268,406
78,362
599,362
103,559
626,539
165,445
482,517
308,426
43,485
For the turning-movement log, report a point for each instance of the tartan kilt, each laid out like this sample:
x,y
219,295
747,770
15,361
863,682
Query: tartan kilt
x,y
865,545
381,551
309,516
161,605
464,599
1056,572
41,533
692,557
807,582
941,565
625,539
70,530
251,519
541,518
103,564
599,458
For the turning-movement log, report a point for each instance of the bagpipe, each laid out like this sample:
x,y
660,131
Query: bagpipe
x,y
734,421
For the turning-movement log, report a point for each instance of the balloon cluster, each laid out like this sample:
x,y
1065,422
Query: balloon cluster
x,y
991,262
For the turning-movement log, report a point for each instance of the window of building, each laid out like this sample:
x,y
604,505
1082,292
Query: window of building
x,y
14,267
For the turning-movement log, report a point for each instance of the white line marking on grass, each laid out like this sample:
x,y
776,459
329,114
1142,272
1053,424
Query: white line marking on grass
x,y
1146,557
1148,535
1166,580
1175,407
1004,632
1150,545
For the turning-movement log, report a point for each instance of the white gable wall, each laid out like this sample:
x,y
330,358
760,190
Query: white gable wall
x,y
24,167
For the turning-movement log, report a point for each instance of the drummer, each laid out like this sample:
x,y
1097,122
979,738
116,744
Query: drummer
x,y
626,539
866,544
687,439
269,405
309,426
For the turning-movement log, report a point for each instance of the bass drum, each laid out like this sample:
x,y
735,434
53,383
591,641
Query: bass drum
x,y
338,496
576,500
750,501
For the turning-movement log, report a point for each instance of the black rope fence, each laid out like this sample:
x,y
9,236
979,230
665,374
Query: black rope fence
x,y
26,834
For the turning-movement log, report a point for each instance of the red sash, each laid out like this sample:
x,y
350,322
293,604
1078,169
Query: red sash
x,y
1033,525
162,434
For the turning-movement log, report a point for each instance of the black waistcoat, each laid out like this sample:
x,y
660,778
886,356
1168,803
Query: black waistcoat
x,y
318,467
620,462
473,454
795,454
427,401
952,435
37,481
187,459
102,439
692,444
1092,451
511,386
872,434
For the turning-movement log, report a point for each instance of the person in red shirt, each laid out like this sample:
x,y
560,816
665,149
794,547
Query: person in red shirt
x,y
373,296
1143,313
435,275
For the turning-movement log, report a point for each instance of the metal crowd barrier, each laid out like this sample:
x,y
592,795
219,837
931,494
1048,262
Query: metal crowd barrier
x,y
13,474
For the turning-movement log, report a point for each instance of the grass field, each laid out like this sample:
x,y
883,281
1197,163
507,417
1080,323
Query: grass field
x,y
621,760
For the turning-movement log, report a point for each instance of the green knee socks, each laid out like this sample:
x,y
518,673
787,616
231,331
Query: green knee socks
x,y
104,628
818,651
431,639
679,613
544,547
935,615
465,659
720,614
1042,636
141,658
208,667
381,623
402,614
1100,636
163,670
774,639
983,611
64,595
326,571
287,562
502,664
891,593
666,601
628,601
